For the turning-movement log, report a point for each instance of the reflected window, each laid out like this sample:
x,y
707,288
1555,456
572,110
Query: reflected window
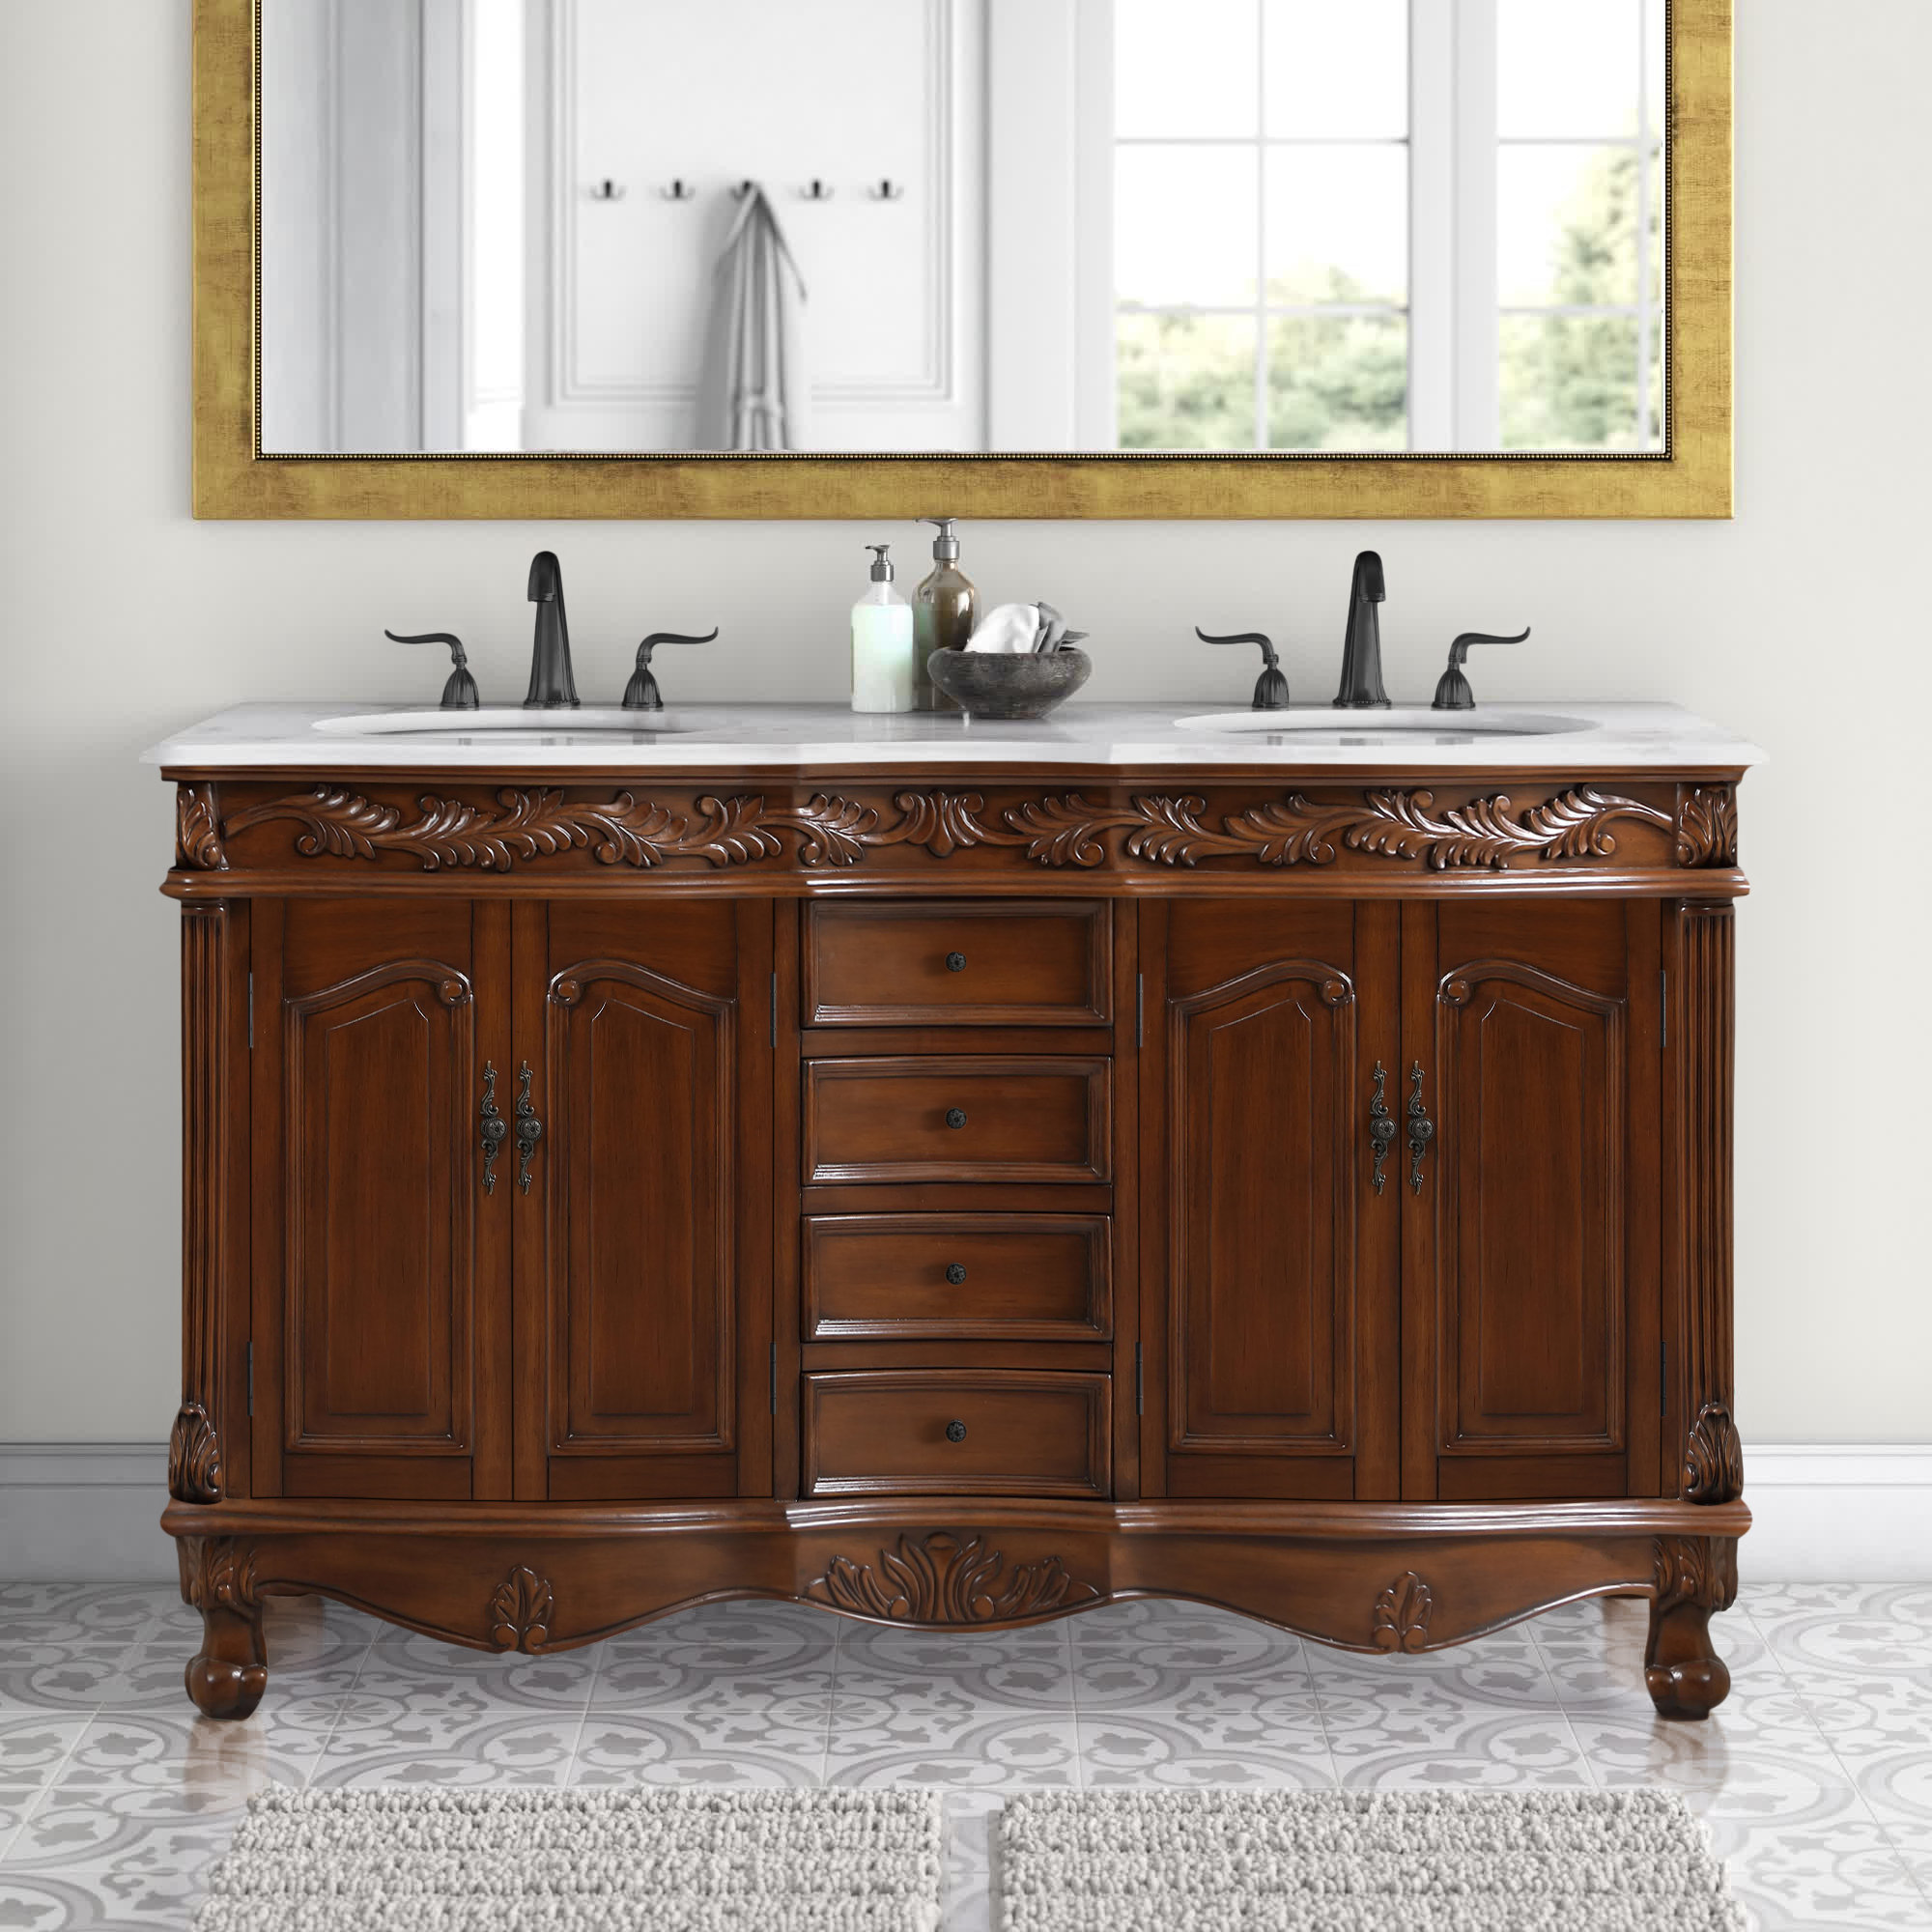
x,y
1393,225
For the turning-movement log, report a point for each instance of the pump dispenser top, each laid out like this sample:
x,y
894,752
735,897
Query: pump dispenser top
x,y
882,564
943,609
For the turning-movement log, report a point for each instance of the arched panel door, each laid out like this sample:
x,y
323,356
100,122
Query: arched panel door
x,y
1535,1249
648,1204
382,1271
1269,1252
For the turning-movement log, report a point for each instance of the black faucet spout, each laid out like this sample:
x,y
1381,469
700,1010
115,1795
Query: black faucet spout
x,y
552,684
1362,642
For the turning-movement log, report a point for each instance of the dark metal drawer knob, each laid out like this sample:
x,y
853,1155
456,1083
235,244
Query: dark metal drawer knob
x,y
956,1431
955,962
954,1273
956,1117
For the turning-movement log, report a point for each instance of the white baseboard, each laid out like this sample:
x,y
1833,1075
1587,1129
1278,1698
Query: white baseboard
x,y
84,1513
87,1512
1852,1514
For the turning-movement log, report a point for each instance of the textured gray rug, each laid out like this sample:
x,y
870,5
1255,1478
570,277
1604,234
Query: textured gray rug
x,y
673,1860
1348,1862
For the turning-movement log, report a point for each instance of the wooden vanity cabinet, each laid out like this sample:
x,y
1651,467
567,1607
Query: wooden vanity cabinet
x,y
957,1208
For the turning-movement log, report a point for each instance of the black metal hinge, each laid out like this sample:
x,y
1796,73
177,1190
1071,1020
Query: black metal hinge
x,y
1140,1382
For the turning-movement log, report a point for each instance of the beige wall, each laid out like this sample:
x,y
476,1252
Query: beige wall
x,y
1803,624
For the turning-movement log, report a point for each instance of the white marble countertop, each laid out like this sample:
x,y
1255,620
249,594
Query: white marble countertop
x,y
1592,737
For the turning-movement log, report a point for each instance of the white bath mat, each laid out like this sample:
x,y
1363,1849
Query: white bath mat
x,y
1348,1862
603,1860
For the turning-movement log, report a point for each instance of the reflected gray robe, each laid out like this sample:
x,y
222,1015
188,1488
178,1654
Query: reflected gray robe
x,y
753,394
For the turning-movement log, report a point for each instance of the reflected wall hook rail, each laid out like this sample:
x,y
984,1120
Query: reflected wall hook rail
x,y
680,190
888,190
609,190
818,191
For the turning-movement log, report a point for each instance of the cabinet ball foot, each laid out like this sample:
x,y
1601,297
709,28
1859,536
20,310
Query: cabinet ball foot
x,y
1687,1690
221,1689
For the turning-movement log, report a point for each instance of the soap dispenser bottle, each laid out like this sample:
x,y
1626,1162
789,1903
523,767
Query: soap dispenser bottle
x,y
944,609
882,643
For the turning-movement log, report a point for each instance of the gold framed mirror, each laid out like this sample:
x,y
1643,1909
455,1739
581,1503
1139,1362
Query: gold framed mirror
x,y
1322,375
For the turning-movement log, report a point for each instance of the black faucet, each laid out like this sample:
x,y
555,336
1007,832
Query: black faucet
x,y
1362,643
552,687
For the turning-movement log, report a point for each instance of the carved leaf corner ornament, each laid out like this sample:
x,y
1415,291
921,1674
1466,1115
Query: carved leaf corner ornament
x,y
521,1611
1707,827
218,1573
195,1456
1400,1620
1695,1569
1713,1458
1066,830
940,1577
198,829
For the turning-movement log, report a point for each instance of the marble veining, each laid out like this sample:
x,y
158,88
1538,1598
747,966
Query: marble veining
x,y
830,737
1815,1777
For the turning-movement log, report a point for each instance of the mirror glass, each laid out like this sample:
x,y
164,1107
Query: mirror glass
x,y
962,226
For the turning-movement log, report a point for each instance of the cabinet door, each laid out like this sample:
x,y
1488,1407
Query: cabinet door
x,y
644,1242
382,1263
1531,1243
1269,1259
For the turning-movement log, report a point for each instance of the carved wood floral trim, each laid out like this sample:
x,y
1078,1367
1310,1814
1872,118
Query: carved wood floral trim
x,y
1707,827
939,1578
198,829
521,1611
1400,1619
218,1573
195,1456
1695,1569
1713,1458
1065,830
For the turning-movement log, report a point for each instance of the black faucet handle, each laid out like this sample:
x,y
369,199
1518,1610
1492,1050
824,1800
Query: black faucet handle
x,y
1452,688
460,693
1271,687
642,693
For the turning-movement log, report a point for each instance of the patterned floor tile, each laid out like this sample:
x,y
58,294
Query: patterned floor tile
x,y
121,1829
1011,1751
937,1672
686,1746
97,1899
1279,1742
390,1741
34,1748
192,1763
1830,1865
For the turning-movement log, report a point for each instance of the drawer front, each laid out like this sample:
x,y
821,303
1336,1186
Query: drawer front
x,y
964,1431
970,964
965,1117
1025,1277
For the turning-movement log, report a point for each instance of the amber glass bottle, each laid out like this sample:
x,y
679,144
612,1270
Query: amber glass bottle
x,y
944,609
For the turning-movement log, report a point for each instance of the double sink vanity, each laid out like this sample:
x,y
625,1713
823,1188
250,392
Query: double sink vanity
x,y
958,1173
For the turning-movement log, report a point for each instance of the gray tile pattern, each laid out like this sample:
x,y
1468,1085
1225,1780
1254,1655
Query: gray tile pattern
x,y
1815,1777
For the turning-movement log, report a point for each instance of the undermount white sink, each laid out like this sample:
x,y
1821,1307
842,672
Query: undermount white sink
x,y
504,719
1326,726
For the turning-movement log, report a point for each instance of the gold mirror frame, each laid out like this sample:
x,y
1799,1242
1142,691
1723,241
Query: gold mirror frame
x,y
1690,478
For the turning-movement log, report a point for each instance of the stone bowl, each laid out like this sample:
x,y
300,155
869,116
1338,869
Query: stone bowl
x,y
990,684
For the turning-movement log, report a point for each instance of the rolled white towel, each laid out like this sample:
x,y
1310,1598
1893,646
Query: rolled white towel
x,y
1008,630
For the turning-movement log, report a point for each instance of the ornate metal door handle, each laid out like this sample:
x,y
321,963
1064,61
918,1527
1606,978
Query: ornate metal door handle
x,y
1382,1128
1421,1129
491,1129
529,1129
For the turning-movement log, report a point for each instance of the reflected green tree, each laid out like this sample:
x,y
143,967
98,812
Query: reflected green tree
x,y
1186,381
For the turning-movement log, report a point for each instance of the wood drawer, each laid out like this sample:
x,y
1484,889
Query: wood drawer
x,y
989,962
1023,1277
1025,1433
957,1117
